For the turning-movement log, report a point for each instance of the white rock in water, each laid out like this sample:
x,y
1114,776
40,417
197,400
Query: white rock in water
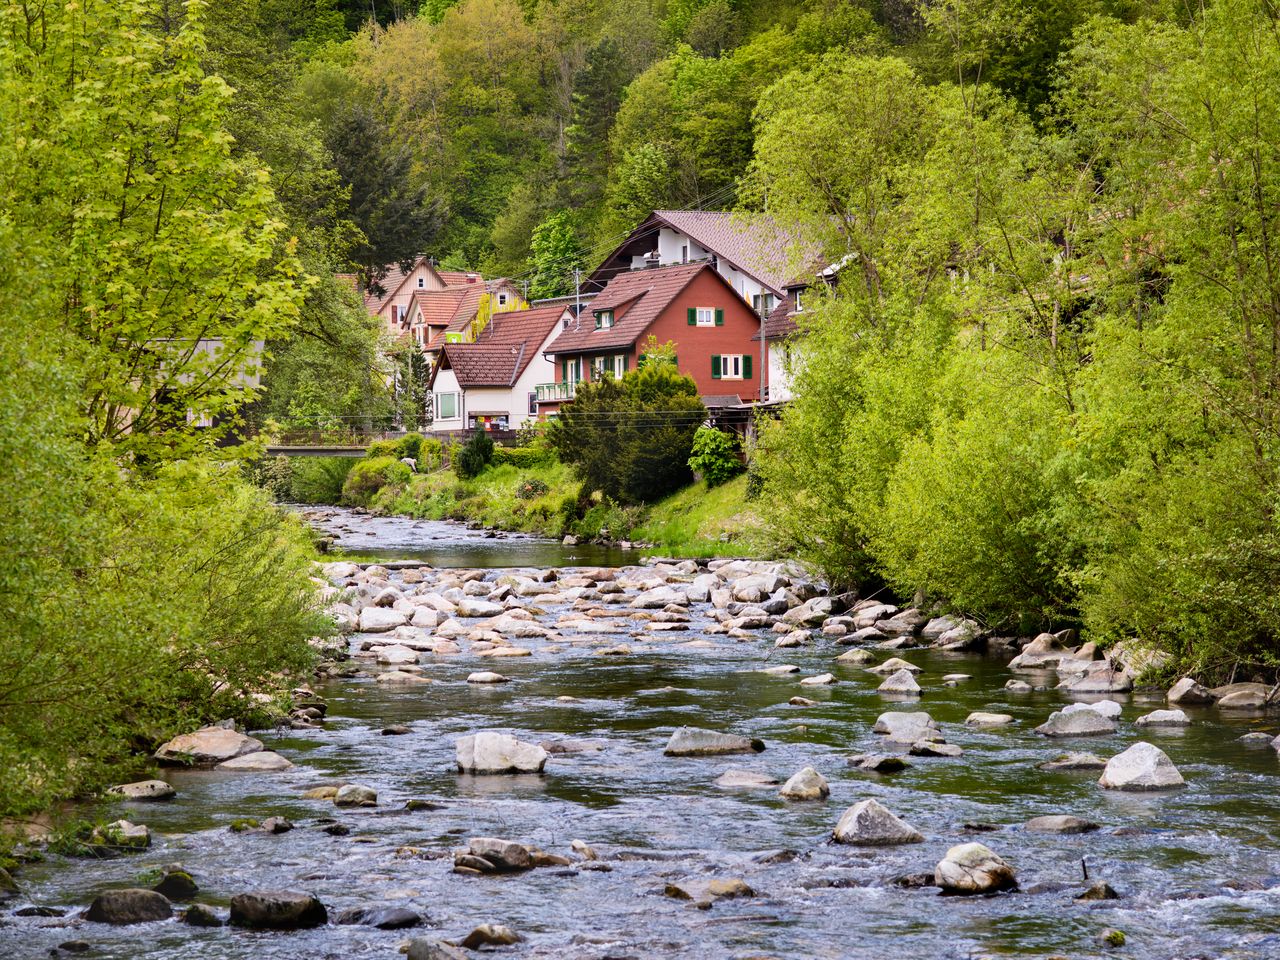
x,y
475,607
735,779
1187,690
1101,676
1079,723
1163,718
143,790
907,727
871,824
971,868
1142,767
807,784
981,719
822,679
856,656
696,742
780,670
381,619
486,676
262,761
396,654
1044,651
900,682
1108,708
493,753
355,795
207,746
893,665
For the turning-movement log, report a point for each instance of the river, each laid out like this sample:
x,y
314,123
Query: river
x,y
1198,869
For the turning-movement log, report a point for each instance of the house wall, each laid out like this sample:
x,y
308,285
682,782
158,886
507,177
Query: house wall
x,y
423,273
695,346
446,382
780,379
670,245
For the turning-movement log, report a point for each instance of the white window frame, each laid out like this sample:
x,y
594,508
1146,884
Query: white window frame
x,y
439,405
730,366
797,299
422,283
502,299
706,316
765,298
619,364
604,319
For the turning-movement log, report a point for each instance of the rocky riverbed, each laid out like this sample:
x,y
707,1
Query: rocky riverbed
x,y
713,770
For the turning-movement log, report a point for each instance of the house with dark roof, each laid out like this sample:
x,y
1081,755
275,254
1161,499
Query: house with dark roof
x,y
491,383
692,305
751,251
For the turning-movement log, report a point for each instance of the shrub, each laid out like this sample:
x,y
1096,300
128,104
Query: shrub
x,y
430,454
410,445
319,479
715,456
474,456
531,489
367,477
383,448
523,457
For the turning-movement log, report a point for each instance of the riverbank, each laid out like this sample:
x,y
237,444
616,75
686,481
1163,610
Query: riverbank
x,y
619,844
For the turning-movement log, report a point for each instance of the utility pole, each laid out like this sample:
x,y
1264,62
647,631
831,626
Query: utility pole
x,y
764,346
577,298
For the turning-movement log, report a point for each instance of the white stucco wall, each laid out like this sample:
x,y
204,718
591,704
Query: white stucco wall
x,y
447,382
780,376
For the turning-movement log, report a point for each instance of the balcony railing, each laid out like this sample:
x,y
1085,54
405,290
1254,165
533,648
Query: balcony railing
x,y
555,392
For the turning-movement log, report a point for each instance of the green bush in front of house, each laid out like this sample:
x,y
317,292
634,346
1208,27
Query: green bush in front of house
x,y
369,476
475,455
383,448
523,457
715,456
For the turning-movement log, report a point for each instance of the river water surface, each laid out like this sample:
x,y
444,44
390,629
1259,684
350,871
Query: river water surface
x,y
1198,868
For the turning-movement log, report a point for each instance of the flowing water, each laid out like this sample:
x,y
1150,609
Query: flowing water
x,y
1198,868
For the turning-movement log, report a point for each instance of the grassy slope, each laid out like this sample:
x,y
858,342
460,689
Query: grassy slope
x,y
691,521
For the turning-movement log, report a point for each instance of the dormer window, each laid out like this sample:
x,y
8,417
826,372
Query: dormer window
x,y
422,283
604,319
797,298
502,299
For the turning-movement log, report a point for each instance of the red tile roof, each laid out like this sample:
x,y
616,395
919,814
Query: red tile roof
x,y
781,321
646,293
504,349
453,278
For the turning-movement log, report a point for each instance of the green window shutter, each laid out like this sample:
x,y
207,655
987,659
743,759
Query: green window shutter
x,y
564,369
641,359
693,316
719,317
675,361
624,363
746,366
715,368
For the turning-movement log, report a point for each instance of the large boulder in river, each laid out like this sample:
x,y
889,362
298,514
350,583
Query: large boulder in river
x,y
1143,766
494,753
424,949
697,742
907,727
1242,696
1044,651
1163,718
902,683
129,906
1189,691
894,665
808,784
476,607
260,761
1100,676
207,746
1077,723
871,824
972,868
381,619
277,910
144,790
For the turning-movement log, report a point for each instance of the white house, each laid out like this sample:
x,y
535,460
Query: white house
x,y
490,383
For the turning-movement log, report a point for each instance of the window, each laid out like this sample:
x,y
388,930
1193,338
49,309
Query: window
x,y
797,298
684,253
446,406
733,366
571,370
706,317
762,301
533,403
604,319
614,366
422,283
502,299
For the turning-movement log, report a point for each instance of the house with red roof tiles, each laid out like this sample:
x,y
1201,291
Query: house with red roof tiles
x,y
427,302
717,334
490,383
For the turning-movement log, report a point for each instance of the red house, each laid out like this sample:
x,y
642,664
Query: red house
x,y
690,304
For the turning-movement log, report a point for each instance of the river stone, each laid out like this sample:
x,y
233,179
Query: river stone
x,y
494,753
780,670
8,886
929,748
121,907
490,935
1142,767
1044,651
981,719
381,918
697,742
807,784
1018,686
380,619
505,855
972,868
821,680
1080,723
476,607
264,761
355,795
1188,690
401,678
396,654
1074,761
144,790
894,665
1163,718
1108,708
1242,696
1099,891
277,910
121,835
1060,823
901,682
878,762
486,676
1101,676
1258,739
907,727
206,747
856,656
871,824
735,779
198,915
422,949
802,702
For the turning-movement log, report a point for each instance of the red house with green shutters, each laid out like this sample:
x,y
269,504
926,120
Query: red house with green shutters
x,y
715,331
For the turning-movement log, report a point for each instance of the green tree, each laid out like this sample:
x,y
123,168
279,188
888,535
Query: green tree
x,y
554,252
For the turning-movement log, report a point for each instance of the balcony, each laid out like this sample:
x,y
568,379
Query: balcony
x,y
555,392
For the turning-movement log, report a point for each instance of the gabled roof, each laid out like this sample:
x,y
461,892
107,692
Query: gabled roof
x,y
644,293
753,243
781,321
437,307
504,349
